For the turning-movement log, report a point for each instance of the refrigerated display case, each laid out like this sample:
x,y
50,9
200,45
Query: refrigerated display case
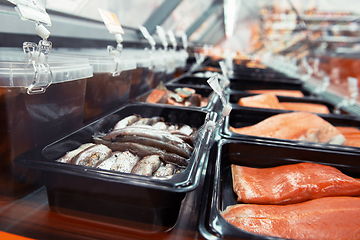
x,y
186,108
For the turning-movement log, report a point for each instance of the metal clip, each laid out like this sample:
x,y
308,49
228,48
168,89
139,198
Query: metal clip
x,y
37,55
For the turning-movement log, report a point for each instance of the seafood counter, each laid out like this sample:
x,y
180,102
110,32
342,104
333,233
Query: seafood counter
x,y
170,164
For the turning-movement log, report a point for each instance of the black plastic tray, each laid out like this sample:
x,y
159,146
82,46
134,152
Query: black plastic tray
x,y
219,192
149,203
245,84
235,96
203,91
258,73
241,117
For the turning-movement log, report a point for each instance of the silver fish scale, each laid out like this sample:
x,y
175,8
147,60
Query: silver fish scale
x,y
147,166
92,155
165,170
69,155
125,162
107,163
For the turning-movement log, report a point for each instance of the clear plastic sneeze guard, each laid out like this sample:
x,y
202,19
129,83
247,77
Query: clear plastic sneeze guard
x,y
32,119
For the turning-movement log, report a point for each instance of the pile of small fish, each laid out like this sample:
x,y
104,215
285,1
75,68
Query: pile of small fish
x,y
181,97
144,146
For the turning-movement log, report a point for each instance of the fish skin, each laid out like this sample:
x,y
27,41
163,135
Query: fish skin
x,y
92,155
323,218
156,119
71,154
141,121
180,149
125,162
293,126
143,151
186,129
126,121
165,170
292,183
107,163
144,131
160,126
147,165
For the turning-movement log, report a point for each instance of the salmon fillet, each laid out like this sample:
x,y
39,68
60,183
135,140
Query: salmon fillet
x,y
279,92
294,126
351,134
266,100
291,183
269,100
305,107
323,218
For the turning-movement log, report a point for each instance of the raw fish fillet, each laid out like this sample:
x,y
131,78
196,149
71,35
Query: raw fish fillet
x,y
351,134
279,92
269,100
291,183
323,218
266,100
294,126
305,107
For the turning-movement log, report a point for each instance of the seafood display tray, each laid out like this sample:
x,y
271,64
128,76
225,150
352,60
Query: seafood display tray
x,y
242,117
244,84
219,194
260,74
235,96
264,77
134,201
203,91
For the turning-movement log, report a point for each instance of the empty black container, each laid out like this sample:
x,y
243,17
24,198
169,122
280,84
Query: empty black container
x,y
131,201
242,117
219,194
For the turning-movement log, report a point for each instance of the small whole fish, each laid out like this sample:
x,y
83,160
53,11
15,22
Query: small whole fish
x,y
147,166
125,162
160,126
165,170
143,151
144,131
182,150
126,121
92,155
108,163
70,155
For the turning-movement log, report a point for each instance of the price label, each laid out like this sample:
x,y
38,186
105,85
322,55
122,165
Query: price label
x,y
111,22
32,10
